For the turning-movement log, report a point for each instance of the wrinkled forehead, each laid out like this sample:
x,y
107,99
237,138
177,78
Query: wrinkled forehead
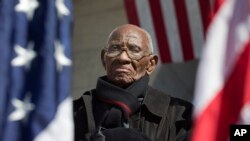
x,y
128,36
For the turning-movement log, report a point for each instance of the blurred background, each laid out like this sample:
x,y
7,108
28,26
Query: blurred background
x,y
95,19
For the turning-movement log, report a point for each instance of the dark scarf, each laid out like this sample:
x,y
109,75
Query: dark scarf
x,y
122,102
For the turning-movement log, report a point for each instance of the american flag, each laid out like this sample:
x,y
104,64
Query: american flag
x,y
35,70
222,95
177,27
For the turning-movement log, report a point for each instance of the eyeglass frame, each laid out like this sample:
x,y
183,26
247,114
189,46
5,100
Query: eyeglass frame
x,y
123,48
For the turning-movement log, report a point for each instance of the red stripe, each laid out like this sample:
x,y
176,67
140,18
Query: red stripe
x,y
214,122
184,29
217,5
122,105
131,12
206,14
160,30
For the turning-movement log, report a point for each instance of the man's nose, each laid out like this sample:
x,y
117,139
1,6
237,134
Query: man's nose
x,y
124,56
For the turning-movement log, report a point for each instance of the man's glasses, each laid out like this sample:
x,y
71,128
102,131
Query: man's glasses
x,y
133,52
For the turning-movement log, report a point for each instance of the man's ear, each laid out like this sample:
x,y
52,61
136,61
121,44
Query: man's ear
x,y
152,64
103,58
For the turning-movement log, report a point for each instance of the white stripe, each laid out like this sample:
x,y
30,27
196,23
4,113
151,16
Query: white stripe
x,y
145,18
61,127
172,30
210,73
216,65
245,114
194,19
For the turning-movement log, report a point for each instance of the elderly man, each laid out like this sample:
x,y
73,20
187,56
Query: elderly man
x,y
123,107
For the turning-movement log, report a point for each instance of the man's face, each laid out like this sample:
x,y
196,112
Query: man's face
x,y
121,69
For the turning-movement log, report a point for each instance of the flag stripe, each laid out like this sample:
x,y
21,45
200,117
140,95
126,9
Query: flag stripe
x,y
206,11
217,6
184,29
131,11
145,19
172,30
160,31
213,65
195,22
62,120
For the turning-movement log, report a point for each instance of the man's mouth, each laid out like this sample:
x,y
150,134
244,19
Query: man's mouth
x,y
122,69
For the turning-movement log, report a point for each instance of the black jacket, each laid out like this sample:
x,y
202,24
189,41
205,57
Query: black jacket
x,y
161,117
